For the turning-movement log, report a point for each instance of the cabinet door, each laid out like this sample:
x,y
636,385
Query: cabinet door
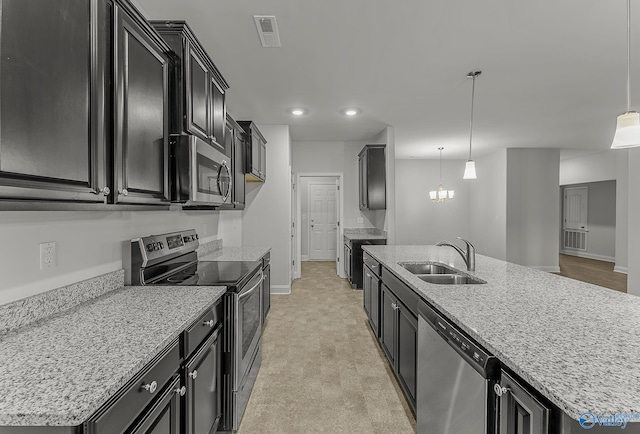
x,y
374,309
366,289
388,321
52,110
521,412
163,417
142,114
266,293
197,95
203,378
239,164
362,172
406,351
218,119
263,160
255,154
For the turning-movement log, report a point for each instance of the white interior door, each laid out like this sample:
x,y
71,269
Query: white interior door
x,y
323,222
294,243
575,208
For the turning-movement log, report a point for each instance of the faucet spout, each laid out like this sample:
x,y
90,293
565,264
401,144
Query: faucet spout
x,y
468,256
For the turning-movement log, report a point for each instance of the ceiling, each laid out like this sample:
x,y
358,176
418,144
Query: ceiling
x,y
553,73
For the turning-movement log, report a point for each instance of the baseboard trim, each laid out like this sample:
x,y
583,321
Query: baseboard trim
x,y
623,270
281,289
548,268
588,255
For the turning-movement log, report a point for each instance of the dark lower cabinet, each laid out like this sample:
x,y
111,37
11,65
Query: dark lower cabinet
x,y
398,337
202,377
141,111
371,290
164,415
347,260
520,411
354,257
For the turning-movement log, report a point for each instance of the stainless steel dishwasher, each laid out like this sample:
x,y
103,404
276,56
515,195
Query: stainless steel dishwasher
x,y
455,379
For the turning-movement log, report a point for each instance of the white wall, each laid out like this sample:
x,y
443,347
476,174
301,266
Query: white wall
x,y
338,157
633,278
603,166
601,220
533,204
89,243
488,205
266,220
418,219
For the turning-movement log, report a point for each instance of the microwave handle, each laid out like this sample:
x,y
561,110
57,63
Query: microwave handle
x,y
226,196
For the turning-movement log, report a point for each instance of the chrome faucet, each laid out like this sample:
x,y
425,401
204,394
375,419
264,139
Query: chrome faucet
x,y
469,257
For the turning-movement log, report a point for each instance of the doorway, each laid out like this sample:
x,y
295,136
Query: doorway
x,y
319,211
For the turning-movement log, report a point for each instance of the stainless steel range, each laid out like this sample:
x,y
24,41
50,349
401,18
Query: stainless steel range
x,y
171,260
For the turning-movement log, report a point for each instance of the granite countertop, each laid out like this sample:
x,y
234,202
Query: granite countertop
x,y
365,237
574,342
364,234
251,254
59,370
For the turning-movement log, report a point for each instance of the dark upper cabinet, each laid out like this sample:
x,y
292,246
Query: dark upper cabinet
x,y
141,111
372,177
236,139
53,88
255,153
84,113
198,87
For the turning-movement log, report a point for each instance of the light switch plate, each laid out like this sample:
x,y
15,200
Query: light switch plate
x,y
48,255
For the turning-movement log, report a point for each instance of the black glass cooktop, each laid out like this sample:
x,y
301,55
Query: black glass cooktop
x,y
205,273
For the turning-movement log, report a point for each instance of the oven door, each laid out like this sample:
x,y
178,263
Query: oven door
x,y
248,326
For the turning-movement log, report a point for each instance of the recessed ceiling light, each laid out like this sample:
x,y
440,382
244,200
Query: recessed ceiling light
x,y
351,111
298,111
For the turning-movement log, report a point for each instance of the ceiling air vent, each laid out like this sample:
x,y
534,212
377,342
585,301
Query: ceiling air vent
x,y
267,30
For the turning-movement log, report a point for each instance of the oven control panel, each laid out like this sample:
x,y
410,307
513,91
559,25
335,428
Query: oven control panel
x,y
157,248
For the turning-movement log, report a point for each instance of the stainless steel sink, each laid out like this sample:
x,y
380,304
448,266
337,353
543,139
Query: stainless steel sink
x,y
440,274
427,268
450,279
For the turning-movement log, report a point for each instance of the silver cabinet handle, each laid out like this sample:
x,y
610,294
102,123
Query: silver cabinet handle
x,y
193,374
181,391
124,192
104,190
151,388
500,390
395,306
209,323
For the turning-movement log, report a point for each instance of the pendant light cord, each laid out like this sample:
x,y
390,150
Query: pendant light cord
x,y
628,56
440,149
473,92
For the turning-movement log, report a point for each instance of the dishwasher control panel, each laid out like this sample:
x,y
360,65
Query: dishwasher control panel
x,y
457,339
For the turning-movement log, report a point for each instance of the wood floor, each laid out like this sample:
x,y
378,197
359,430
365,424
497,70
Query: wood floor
x,y
592,271
322,369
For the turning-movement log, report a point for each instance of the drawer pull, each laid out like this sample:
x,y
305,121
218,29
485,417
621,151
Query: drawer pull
x,y
193,374
500,390
150,387
181,391
210,323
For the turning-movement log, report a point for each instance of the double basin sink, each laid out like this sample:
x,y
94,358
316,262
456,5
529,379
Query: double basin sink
x,y
440,274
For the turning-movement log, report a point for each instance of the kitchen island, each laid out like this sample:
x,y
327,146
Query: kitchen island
x,y
575,343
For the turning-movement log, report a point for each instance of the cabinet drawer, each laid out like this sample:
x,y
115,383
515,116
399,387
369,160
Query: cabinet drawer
x,y
371,263
197,332
123,408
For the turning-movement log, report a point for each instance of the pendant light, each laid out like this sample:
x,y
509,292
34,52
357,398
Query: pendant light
x,y
441,195
470,167
628,125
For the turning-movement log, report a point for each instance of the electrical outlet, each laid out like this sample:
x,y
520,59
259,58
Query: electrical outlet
x,y
48,255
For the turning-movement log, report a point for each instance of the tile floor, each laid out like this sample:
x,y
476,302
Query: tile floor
x,y
322,369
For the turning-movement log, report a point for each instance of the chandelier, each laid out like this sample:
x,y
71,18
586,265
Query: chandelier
x,y
441,195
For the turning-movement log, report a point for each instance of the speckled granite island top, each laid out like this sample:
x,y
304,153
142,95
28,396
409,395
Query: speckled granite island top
x,y
59,370
251,254
578,344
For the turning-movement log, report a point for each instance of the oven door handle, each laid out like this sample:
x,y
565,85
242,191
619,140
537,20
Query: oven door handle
x,y
246,293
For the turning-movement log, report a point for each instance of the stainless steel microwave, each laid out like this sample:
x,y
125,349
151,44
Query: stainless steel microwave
x,y
201,175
